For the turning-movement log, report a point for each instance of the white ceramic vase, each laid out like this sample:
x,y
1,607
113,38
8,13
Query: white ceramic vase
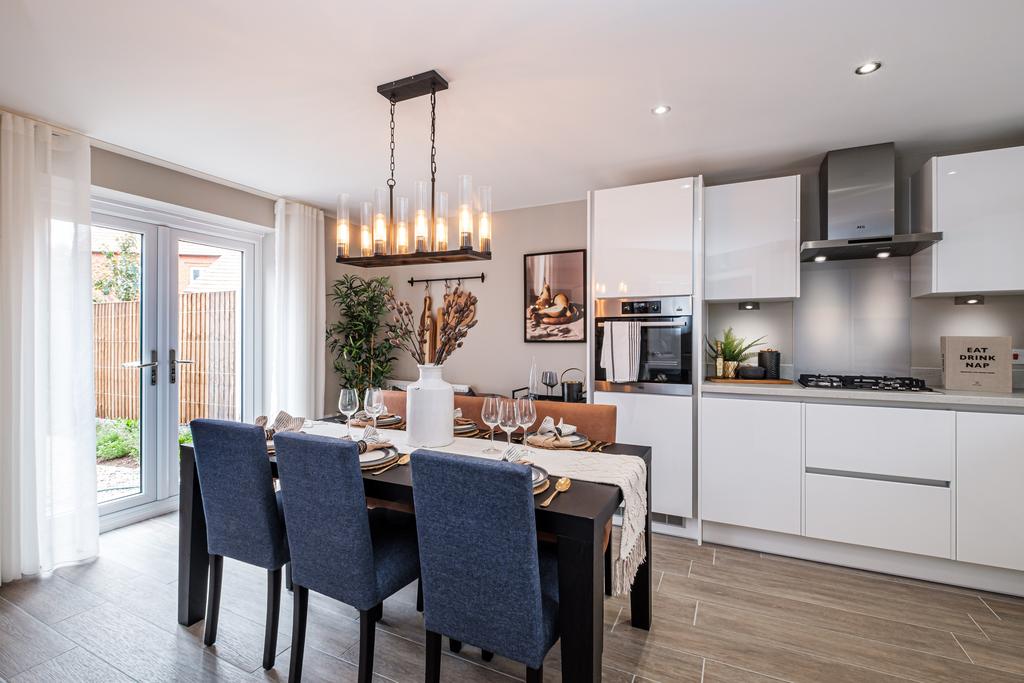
x,y
430,409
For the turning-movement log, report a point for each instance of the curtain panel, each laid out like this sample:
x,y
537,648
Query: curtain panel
x,y
48,509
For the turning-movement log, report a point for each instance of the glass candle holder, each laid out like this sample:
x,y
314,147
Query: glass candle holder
x,y
341,235
402,226
380,222
465,212
365,223
441,222
421,229
484,217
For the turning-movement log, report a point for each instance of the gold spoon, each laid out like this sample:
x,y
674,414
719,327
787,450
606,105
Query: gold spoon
x,y
404,460
562,484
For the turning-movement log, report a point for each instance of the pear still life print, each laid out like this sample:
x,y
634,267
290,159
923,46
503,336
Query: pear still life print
x,y
555,286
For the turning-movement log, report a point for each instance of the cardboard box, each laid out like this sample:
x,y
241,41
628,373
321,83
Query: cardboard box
x,y
977,363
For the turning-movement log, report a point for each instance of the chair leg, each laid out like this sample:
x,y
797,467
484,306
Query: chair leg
x,y
433,657
213,599
301,596
486,655
367,631
288,576
454,645
273,617
419,595
535,675
608,570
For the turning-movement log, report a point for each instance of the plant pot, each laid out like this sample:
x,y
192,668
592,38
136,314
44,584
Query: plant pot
x,y
430,409
729,369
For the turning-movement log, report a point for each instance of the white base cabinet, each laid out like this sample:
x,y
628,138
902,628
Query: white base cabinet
x,y
752,240
909,518
750,463
665,423
990,489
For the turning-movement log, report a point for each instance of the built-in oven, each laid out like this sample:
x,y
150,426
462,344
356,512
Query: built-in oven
x,y
666,344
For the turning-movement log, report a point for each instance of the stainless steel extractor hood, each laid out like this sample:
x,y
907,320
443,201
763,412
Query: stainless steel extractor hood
x,y
857,191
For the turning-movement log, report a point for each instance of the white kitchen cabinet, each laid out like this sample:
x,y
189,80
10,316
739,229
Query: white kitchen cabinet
x,y
642,239
752,240
665,423
910,518
750,463
908,443
975,201
989,497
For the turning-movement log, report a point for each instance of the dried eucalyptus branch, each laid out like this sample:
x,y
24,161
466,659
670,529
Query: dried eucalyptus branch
x,y
402,333
456,318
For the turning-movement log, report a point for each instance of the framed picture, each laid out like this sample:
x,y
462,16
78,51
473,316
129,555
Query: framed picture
x,y
555,292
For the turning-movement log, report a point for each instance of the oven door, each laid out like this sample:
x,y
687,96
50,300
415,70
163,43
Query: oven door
x,y
666,358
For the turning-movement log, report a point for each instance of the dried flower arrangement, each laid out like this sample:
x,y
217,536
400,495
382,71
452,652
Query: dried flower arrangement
x,y
455,319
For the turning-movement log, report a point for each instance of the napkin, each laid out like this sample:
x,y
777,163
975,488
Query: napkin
x,y
548,427
282,423
375,441
361,419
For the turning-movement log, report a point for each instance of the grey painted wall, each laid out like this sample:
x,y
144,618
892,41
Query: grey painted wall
x,y
495,358
126,174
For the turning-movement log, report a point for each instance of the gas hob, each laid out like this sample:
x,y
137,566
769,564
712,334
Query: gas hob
x,y
868,382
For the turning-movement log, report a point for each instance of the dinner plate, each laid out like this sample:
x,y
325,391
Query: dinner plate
x,y
465,428
372,458
539,475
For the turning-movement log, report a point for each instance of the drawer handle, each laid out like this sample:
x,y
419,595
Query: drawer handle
x,y
938,483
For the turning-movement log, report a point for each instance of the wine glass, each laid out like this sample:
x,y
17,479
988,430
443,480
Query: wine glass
x,y
549,379
508,418
373,403
490,414
527,412
348,404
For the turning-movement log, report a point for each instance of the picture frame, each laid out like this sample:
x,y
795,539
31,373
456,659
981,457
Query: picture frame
x,y
555,297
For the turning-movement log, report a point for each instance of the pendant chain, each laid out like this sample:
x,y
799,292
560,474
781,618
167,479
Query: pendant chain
x,y
391,180
433,162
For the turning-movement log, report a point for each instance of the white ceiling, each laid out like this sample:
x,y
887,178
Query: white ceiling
x,y
547,99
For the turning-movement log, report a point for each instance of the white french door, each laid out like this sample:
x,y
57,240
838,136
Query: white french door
x,y
174,340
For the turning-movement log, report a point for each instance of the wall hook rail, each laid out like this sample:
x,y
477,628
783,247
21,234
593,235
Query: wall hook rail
x,y
459,278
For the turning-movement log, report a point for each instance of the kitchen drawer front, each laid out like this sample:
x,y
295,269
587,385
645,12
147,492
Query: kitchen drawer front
x,y
899,442
881,514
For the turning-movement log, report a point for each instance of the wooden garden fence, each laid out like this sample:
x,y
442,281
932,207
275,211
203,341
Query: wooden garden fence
x,y
206,388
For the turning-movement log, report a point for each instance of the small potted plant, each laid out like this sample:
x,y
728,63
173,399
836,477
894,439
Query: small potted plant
x,y
735,350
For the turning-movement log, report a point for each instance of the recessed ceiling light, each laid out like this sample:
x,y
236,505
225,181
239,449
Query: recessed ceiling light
x,y
749,306
819,259
661,110
882,254
867,68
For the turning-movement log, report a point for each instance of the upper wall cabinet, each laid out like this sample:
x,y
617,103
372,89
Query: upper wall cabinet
x,y
641,239
975,201
752,240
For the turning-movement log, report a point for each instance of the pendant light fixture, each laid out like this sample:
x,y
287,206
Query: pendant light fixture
x,y
392,238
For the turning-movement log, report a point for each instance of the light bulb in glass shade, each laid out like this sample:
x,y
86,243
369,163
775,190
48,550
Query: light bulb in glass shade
x,y
421,221
484,220
402,226
441,222
365,221
342,228
380,222
465,211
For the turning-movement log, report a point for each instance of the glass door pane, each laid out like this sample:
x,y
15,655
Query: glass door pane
x,y
208,358
124,378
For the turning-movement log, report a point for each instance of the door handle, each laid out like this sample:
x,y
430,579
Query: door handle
x,y
174,363
152,365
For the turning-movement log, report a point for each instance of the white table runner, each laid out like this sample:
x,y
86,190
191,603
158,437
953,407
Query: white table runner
x,y
628,473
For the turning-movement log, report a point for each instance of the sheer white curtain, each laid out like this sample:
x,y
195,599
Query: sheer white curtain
x,y
298,324
48,512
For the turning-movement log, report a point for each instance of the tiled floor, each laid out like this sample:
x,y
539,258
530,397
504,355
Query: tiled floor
x,y
721,615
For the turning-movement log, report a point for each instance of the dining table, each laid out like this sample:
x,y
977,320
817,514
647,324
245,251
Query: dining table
x,y
576,518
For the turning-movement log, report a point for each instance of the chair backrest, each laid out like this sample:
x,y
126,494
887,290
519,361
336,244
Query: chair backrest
x,y
325,510
595,420
478,552
242,518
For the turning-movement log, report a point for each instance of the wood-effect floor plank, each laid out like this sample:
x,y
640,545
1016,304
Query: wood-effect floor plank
x,y
74,666
995,653
49,598
716,672
25,641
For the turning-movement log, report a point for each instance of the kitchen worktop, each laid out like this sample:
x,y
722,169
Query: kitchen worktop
x,y
939,398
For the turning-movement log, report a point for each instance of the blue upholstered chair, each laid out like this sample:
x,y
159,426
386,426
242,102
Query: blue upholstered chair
x,y
339,548
244,520
484,582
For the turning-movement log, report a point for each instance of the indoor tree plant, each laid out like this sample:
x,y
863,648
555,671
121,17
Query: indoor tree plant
x,y
361,341
735,350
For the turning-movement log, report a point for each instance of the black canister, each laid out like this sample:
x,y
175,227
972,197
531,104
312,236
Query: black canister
x,y
572,389
770,361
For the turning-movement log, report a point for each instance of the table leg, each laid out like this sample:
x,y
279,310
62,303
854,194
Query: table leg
x,y
193,559
641,594
581,605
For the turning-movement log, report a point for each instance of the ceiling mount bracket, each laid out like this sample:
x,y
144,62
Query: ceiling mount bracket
x,y
413,86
